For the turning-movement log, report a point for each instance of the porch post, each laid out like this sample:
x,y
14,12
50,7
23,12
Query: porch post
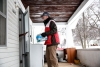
x,y
69,38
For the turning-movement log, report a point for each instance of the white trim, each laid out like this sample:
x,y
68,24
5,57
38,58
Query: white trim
x,y
85,4
21,5
6,23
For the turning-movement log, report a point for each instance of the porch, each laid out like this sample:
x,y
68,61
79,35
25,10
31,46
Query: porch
x,y
65,65
16,19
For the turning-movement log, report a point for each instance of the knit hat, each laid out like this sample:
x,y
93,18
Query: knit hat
x,y
45,14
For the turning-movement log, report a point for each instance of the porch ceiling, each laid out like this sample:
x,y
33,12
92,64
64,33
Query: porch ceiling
x,y
60,10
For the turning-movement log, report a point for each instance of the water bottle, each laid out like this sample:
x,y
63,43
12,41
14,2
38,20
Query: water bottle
x,y
44,38
40,38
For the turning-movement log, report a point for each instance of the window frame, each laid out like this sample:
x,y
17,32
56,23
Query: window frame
x,y
5,16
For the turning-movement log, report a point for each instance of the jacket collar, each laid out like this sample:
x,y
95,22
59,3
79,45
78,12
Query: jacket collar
x,y
46,21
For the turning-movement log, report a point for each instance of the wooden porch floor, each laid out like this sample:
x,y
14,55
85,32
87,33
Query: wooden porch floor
x,y
64,65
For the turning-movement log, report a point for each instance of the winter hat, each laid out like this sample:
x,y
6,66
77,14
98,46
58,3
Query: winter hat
x,y
45,14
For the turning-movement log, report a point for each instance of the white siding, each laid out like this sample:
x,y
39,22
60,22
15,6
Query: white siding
x,y
9,56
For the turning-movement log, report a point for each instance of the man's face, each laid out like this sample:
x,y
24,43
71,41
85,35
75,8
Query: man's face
x,y
44,17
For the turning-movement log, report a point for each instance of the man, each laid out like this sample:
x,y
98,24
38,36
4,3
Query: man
x,y
52,40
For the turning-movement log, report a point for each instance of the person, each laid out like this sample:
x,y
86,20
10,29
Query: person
x,y
52,39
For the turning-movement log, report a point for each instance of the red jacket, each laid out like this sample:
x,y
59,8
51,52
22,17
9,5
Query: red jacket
x,y
52,34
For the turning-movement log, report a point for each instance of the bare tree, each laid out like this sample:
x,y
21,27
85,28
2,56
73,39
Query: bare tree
x,y
88,27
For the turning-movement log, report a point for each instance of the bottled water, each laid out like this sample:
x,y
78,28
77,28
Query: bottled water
x,y
40,38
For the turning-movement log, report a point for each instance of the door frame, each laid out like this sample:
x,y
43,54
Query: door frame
x,y
27,37
21,39
23,50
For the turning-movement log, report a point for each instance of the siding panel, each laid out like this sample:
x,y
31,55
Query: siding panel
x,y
13,33
13,45
12,25
9,56
13,41
8,50
6,60
12,16
14,37
13,63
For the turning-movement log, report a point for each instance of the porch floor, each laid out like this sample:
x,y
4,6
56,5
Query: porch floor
x,y
64,65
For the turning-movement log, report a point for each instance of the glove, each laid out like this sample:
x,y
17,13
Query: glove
x,y
43,34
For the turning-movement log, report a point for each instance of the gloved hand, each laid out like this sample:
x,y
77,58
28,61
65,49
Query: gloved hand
x,y
43,34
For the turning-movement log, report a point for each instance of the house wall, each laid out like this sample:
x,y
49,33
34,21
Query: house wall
x,y
89,57
9,55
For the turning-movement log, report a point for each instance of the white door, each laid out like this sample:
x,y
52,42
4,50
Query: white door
x,y
24,41
27,37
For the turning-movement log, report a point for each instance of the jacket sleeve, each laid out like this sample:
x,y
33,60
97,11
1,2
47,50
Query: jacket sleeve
x,y
53,29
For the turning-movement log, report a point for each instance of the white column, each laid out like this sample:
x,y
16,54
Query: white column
x,y
69,38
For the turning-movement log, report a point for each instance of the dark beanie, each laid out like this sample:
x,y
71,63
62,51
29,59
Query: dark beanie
x,y
45,14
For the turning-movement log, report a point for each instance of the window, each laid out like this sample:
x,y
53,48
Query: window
x,y
3,22
3,6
